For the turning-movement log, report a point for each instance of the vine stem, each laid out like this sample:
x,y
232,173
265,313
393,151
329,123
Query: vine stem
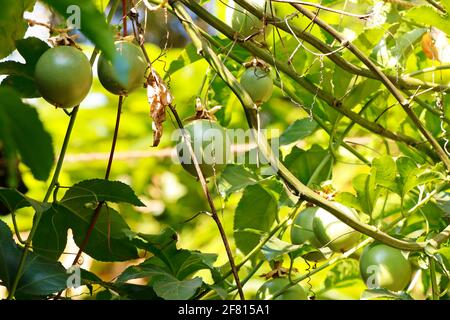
x,y
203,183
434,285
38,214
214,214
404,82
404,102
124,17
304,82
258,247
97,210
309,195
55,177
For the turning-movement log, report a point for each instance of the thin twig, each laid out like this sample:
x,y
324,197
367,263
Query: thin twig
x,y
404,102
318,6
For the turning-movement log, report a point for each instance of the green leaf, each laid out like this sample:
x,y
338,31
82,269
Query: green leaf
x,y
360,93
429,16
276,248
31,49
41,277
93,23
188,56
133,292
111,237
170,288
412,176
13,200
109,240
99,190
13,68
404,44
312,166
12,24
50,238
366,191
343,274
256,210
298,130
24,86
341,81
385,171
162,279
235,178
188,262
20,124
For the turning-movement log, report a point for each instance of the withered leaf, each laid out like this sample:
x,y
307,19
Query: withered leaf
x,y
159,97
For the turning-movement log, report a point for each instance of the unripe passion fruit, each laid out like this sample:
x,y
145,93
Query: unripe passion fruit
x,y
135,59
210,144
258,83
243,21
302,233
269,288
332,232
382,266
63,76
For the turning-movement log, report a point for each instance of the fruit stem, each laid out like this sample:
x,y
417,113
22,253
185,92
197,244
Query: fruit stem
x,y
38,214
98,209
434,286
214,214
124,17
55,177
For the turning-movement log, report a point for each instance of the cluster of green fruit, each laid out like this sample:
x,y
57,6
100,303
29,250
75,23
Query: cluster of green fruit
x,y
63,74
381,266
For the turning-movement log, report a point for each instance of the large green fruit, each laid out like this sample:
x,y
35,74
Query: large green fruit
x,y
210,144
302,233
258,83
135,77
63,76
382,266
332,232
243,21
269,288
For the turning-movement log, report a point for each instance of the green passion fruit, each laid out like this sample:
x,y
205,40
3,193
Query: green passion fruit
x,y
258,83
244,22
332,232
382,266
302,233
63,76
137,65
211,145
269,288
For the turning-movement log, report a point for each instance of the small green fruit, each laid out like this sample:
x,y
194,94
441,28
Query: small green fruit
x,y
258,83
332,232
210,144
385,267
135,77
302,233
63,76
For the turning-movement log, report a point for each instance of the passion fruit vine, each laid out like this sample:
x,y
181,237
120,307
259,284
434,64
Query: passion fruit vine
x,y
211,145
133,79
63,76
